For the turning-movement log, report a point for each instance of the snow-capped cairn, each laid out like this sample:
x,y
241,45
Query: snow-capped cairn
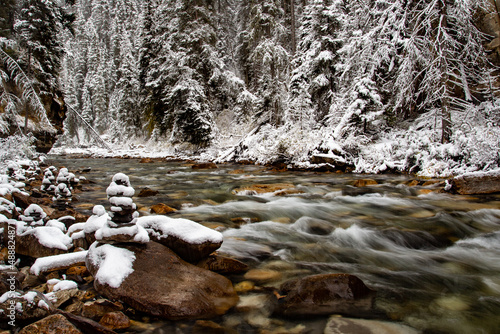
x,y
62,195
122,225
62,192
120,197
67,177
34,216
63,176
47,182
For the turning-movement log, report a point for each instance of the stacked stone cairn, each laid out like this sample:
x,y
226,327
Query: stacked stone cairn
x,y
34,216
62,192
47,182
121,227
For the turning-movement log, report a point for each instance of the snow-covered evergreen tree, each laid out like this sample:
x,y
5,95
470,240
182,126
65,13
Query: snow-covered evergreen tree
x,y
314,79
264,57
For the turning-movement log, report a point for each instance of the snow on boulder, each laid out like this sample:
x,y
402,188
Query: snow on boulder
x,y
108,264
95,222
43,241
56,223
131,233
62,261
151,278
7,207
476,183
190,240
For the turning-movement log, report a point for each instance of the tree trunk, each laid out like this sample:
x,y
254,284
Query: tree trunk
x,y
26,116
292,17
445,105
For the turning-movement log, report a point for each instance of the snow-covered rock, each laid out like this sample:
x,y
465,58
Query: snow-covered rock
x,y
42,241
62,261
108,264
153,279
476,183
130,233
190,240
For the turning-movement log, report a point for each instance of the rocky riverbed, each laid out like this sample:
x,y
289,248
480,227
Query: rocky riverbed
x,y
96,267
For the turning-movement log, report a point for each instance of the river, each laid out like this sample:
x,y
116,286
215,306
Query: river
x,y
432,257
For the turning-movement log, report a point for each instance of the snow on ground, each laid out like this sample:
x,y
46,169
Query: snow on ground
x,y
184,229
114,263
43,264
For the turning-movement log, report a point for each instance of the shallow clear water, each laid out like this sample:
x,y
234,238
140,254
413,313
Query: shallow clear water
x,y
433,258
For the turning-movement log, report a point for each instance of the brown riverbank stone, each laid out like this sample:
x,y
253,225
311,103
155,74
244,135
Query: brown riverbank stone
x,y
325,294
164,285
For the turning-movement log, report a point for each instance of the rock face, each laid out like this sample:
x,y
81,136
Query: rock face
x,y
477,183
115,320
326,294
98,308
163,285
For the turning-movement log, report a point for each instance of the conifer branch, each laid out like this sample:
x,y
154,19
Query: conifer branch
x,y
28,91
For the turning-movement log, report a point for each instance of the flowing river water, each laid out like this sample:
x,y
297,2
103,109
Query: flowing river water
x,y
432,257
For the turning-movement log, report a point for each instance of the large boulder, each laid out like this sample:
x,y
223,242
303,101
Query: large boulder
x,y
476,183
160,283
191,241
325,294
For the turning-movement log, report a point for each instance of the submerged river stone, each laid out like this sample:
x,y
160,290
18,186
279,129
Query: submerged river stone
x,y
164,285
325,294
338,325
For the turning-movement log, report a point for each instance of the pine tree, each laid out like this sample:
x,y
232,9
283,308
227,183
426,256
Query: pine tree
x,y
264,57
37,30
314,79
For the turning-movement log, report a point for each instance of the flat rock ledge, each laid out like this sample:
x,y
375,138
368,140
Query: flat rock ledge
x,y
164,285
